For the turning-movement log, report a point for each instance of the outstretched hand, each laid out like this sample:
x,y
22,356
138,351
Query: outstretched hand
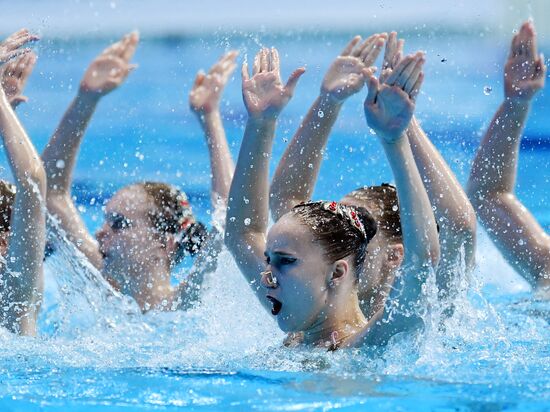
x,y
392,55
111,67
389,106
351,69
15,75
207,89
525,71
11,47
264,94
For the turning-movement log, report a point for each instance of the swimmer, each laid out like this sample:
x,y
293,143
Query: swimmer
x,y
514,230
305,270
149,226
294,185
22,213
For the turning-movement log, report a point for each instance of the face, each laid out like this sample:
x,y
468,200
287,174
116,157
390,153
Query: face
x,y
127,239
302,274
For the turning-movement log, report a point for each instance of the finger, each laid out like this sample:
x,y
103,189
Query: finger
x,y
413,77
372,85
27,64
356,52
256,64
400,45
18,39
244,71
540,68
370,54
264,65
416,88
276,62
129,45
407,72
347,50
16,101
228,72
293,80
199,79
13,54
531,46
403,64
391,49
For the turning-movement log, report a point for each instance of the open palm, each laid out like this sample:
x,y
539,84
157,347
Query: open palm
x,y
525,72
264,94
110,68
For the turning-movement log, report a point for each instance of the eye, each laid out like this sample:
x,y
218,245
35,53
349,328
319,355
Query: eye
x,y
286,260
119,222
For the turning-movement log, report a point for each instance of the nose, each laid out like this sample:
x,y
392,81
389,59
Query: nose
x,y
101,234
269,280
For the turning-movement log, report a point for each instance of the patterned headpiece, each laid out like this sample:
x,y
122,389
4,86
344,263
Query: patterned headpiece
x,y
346,213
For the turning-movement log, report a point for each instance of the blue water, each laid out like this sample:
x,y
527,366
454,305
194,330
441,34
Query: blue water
x,y
96,352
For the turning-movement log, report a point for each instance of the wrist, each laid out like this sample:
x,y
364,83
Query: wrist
x,y
329,100
517,104
87,98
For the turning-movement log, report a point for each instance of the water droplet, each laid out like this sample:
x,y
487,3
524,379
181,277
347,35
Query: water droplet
x,y
247,221
245,200
395,208
60,164
487,90
321,114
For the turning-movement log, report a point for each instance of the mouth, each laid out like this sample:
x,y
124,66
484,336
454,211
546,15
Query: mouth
x,y
277,305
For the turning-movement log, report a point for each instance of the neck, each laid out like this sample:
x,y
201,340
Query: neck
x,y
337,325
151,285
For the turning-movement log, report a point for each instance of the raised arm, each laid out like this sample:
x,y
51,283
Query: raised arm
x,y
388,108
297,172
15,74
264,97
22,283
204,100
510,225
452,209
105,73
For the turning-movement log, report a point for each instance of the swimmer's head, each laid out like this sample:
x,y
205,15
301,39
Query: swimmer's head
x,y
314,255
148,229
385,253
7,197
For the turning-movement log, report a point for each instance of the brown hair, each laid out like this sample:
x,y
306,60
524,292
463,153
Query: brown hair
x,y
335,233
381,201
7,197
173,215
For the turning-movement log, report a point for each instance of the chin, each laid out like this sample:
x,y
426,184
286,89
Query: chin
x,y
288,325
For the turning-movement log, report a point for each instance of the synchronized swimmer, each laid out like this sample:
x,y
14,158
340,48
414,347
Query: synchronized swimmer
x,y
335,274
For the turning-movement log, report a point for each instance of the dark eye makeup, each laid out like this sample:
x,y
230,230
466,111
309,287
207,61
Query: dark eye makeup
x,y
118,221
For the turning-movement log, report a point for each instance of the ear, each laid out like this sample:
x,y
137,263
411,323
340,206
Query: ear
x,y
340,269
395,255
171,244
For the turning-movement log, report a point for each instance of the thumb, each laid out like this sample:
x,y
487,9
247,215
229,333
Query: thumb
x,y
17,100
199,79
293,80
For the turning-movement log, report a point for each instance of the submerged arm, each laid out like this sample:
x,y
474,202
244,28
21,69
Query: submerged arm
x,y
297,172
264,96
104,74
510,225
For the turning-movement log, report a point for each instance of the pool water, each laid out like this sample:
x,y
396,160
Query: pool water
x,y
97,352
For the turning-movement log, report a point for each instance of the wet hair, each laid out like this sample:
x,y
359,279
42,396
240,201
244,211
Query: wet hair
x,y
336,234
172,214
7,198
382,203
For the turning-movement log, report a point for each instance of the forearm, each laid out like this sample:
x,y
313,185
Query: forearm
x,y
495,165
221,162
298,169
248,198
60,154
420,237
452,209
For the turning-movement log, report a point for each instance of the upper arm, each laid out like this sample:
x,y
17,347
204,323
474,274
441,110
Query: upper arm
x,y
61,206
22,288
